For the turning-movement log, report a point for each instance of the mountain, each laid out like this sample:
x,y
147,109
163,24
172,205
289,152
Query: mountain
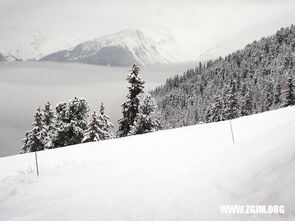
x,y
12,58
256,79
9,58
179,174
123,48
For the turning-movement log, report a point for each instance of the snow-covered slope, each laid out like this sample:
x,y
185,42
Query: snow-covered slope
x,y
124,48
179,174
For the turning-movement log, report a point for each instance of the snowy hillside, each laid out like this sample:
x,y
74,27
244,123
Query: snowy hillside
x,y
123,49
179,174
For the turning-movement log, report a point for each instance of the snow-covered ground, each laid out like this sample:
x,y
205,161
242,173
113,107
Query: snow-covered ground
x,y
179,174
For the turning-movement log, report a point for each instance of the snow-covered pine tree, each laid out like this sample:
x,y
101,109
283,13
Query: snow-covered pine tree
x,y
61,125
130,107
246,104
77,115
277,93
71,121
25,147
288,96
48,121
268,97
34,139
231,109
94,131
215,110
106,124
146,119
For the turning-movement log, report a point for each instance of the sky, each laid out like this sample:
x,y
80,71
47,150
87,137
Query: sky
x,y
196,24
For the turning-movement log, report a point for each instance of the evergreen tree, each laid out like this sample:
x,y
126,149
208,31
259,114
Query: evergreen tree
x,y
231,109
61,125
124,125
71,121
94,131
146,120
215,110
246,105
48,121
277,94
288,97
130,107
34,139
268,97
106,124
78,114
25,147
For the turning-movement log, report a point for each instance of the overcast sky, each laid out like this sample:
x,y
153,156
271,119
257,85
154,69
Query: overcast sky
x,y
196,24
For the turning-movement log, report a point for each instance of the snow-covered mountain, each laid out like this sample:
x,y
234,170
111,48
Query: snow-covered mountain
x,y
32,44
23,47
123,49
178,174
9,58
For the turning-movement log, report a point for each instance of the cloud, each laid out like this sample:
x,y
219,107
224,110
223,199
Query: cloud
x,y
196,24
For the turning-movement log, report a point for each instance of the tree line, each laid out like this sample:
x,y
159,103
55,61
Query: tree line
x,y
69,124
256,79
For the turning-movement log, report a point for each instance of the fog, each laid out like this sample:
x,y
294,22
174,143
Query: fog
x,y
25,86
48,26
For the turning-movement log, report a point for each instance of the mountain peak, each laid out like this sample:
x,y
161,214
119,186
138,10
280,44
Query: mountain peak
x,y
123,48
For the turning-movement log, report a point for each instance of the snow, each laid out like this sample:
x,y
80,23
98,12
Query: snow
x,y
178,174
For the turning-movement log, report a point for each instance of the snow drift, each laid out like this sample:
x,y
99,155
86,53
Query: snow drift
x,y
179,174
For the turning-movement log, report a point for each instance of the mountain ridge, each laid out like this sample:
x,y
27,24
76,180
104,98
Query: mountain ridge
x,y
133,45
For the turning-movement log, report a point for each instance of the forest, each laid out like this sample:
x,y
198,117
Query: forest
x,y
256,79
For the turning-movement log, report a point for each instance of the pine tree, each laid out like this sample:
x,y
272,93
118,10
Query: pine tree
x,y
268,97
246,105
146,120
48,121
288,97
130,107
277,94
78,114
106,124
94,131
34,139
25,141
71,122
215,110
231,109
61,125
